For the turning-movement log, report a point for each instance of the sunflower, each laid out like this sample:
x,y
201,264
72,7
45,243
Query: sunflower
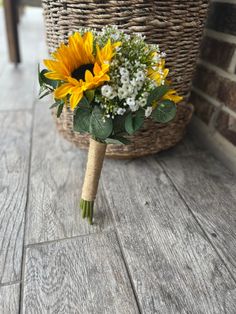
x,y
160,74
78,68
172,95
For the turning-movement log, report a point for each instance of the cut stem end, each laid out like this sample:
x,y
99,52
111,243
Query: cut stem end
x,y
87,210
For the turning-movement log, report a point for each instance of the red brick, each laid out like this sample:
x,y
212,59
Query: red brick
x,y
203,109
227,93
222,17
226,125
217,52
218,87
207,81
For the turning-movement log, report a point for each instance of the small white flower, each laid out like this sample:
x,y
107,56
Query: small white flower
x,y
121,111
113,95
124,79
135,92
145,95
139,85
142,102
133,82
128,88
148,111
130,101
140,76
115,36
122,93
124,72
106,91
135,107
163,54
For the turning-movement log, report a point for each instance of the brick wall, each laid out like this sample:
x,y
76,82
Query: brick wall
x,y
214,85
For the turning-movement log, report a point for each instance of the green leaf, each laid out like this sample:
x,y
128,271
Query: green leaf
x,y
59,110
81,120
165,111
99,127
43,80
157,93
57,103
90,95
84,103
134,121
119,140
45,94
39,76
119,124
52,83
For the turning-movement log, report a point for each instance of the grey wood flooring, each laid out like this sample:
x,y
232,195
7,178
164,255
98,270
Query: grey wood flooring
x,y
164,238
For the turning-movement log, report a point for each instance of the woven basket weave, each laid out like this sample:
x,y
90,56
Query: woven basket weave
x,y
176,25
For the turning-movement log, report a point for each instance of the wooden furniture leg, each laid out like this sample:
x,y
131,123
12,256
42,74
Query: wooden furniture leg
x,y
10,10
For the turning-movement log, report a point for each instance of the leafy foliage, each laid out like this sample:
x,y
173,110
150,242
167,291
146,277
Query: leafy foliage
x,y
119,140
133,122
100,128
59,109
165,111
81,122
157,93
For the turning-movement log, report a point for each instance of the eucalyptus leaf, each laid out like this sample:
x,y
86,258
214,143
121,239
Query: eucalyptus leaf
x,y
84,103
165,111
81,120
119,124
45,94
52,83
134,121
119,140
59,110
43,80
39,76
57,103
157,93
90,95
99,127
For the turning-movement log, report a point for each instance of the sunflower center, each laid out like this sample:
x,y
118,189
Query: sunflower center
x,y
79,73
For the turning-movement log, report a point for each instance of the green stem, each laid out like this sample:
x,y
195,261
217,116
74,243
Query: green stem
x,y
87,208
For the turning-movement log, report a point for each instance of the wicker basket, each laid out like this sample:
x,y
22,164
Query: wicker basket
x,y
176,25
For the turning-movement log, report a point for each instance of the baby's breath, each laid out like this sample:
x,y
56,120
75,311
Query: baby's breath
x,y
129,84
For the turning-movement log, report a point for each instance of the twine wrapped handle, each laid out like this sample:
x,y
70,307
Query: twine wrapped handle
x,y
96,156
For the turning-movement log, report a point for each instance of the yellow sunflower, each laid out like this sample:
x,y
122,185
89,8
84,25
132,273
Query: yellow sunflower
x,y
78,68
158,77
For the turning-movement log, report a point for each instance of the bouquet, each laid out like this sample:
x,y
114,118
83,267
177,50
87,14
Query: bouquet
x,y
112,81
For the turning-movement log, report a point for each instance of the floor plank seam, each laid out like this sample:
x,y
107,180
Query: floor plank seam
x,y
31,245
26,209
10,283
199,224
123,255
128,272
29,110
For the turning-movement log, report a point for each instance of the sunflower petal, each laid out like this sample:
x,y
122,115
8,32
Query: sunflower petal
x,y
54,76
72,80
172,95
62,90
166,71
88,76
75,99
88,46
96,69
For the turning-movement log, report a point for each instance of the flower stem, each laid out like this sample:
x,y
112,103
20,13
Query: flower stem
x,y
87,210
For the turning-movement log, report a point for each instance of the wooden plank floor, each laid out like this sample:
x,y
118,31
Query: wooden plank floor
x,y
164,239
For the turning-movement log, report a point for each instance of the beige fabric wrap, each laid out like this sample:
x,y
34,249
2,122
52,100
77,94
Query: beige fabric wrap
x,y
96,155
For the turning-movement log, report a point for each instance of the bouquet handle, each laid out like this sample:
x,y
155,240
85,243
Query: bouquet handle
x,y
96,156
